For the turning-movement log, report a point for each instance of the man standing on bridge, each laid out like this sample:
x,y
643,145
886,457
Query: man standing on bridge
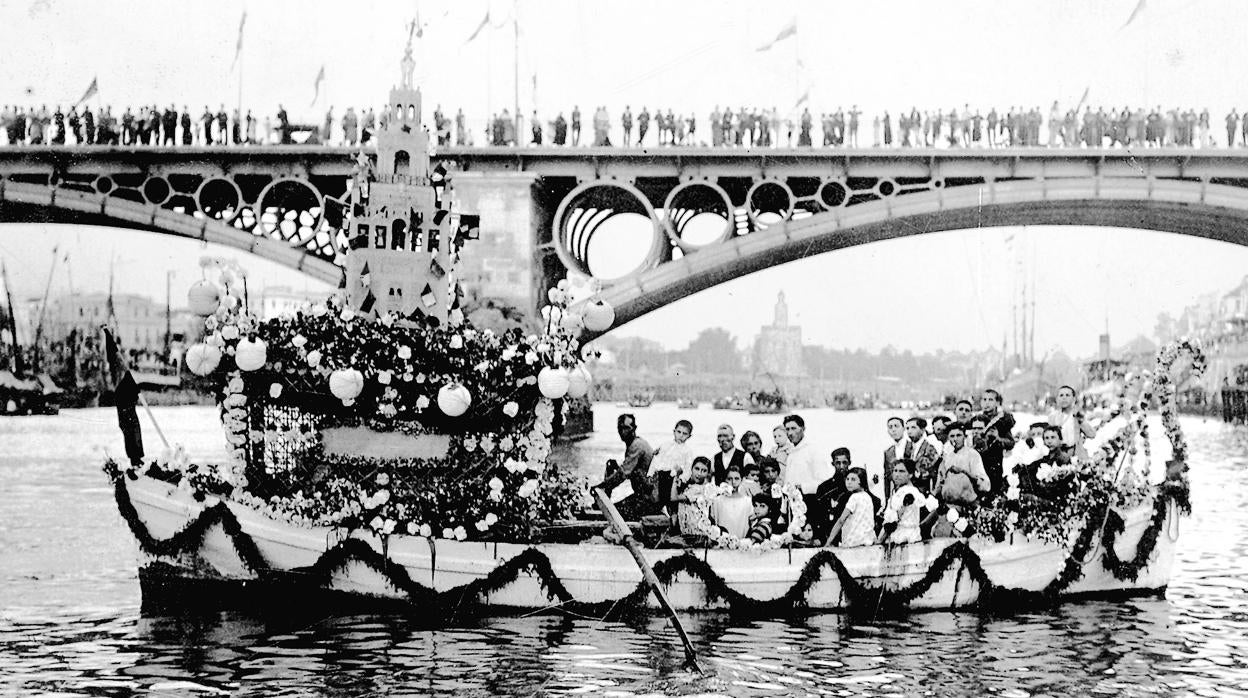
x,y
626,120
576,125
169,126
643,125
1232,120
188,126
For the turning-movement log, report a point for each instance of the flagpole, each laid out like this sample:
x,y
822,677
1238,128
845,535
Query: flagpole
x,y
515,62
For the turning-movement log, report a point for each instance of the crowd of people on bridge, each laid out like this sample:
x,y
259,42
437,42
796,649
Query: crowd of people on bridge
x,y
925,470
725,127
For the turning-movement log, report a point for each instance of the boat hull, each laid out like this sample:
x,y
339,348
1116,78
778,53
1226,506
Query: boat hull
x,y
246,546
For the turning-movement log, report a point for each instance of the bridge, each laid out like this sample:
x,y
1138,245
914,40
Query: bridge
x,y
770,206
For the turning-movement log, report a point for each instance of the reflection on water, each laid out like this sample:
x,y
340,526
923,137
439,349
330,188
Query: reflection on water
x,y
72,623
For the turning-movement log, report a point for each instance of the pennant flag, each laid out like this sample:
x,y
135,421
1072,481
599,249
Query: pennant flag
x,y
484,21
1084,98
428,297
342,279
803,99
789,29
1139,7
320,77
92,90
369,301
436,269
238,45
366,277
439,216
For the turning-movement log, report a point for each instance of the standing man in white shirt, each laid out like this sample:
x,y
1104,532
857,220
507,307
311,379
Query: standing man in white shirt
x,y
808,467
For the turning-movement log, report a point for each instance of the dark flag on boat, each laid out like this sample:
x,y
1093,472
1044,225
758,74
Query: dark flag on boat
x,y
125,397
367,305
469,226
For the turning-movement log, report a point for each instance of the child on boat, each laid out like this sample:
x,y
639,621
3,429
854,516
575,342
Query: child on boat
x,y
856,524
901,516
761,522
731,511
690,518
672,461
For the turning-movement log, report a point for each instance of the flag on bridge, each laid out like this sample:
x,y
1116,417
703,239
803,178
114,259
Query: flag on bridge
x,y
1139,7
789,29
316,86
803,99
1084,98
92,90
238,46
484,21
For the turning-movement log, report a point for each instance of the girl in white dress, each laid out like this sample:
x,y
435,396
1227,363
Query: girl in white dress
x,y
857,522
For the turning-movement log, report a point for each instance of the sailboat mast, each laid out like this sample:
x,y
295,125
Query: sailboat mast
x,y
43,309
18,367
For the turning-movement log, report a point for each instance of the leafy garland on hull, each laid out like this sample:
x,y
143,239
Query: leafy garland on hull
x,y
461,599
858,595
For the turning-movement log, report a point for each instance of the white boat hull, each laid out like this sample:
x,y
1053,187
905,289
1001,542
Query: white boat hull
x,y
599,573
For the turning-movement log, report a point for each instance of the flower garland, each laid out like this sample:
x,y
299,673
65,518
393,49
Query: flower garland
x,y
1091,486
793,503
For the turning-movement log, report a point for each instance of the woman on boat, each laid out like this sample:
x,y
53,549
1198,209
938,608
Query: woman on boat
x,y
691,518
731,512
856,523
903,507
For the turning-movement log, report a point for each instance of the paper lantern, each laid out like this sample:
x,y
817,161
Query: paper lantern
x,y
454,399
203,297
203,359
250,355
598,316
346,383
578,381
553,382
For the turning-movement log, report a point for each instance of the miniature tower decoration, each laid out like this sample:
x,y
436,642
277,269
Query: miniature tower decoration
x,y
404,234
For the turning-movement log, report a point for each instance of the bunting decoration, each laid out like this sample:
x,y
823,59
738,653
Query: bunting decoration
x,y
480,27
788,30
92,90
316,86
238,45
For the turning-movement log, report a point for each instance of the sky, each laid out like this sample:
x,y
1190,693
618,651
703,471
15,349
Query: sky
x,y
947,290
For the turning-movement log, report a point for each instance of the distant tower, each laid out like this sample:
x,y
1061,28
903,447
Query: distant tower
x,y
782,312
778,347
403,237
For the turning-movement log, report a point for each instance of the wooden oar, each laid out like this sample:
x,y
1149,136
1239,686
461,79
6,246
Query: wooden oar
x,y
626,539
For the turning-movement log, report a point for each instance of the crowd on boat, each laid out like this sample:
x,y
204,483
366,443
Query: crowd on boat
x,y
725,127
904,494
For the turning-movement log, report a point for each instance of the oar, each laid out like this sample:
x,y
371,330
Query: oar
x,y
626,535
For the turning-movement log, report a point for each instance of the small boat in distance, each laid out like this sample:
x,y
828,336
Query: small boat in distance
x,y
767,402
640,400
686,403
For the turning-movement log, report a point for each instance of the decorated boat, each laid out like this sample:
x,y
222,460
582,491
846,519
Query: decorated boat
x,y
383,448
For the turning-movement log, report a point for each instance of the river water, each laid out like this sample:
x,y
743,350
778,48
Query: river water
x,y
71,620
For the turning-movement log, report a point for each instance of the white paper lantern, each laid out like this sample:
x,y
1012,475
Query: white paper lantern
x,y
346,383
203,297
250,354
578,381
598,316
553,382
454,399
203,359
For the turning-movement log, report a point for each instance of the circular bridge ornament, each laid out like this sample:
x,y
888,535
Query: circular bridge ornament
x,y
591,222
